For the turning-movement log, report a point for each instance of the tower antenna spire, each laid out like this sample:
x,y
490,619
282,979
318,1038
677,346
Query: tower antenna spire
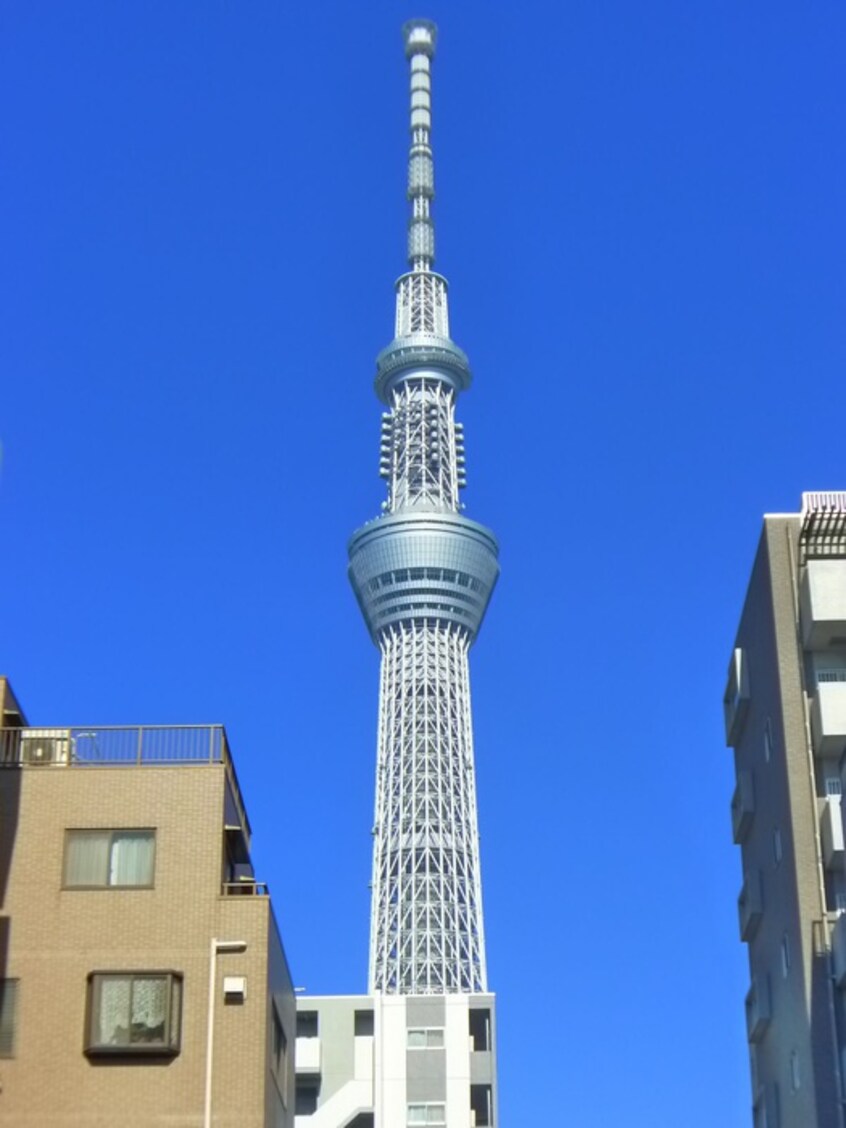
x,y
420,37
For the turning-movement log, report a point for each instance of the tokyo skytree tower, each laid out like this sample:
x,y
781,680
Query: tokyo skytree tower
x,y
423,574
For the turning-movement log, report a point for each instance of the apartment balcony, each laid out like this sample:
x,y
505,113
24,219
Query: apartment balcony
x,y
736,696
742,806
838,951
828,713
758,1009
307,1058
823,604
831,832
245,887
750,905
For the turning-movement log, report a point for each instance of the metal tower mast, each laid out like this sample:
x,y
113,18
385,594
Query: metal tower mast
x,y
423,575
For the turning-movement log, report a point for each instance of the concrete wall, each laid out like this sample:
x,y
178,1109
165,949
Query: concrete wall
x,y
386,1073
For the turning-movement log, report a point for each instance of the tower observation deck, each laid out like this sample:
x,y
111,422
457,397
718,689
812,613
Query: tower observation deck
x,y
423,574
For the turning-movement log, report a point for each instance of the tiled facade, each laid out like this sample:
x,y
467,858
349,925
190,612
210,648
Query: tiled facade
x,y
787,667
55,937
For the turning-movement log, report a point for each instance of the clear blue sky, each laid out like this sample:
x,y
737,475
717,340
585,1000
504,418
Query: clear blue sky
x,y
641,214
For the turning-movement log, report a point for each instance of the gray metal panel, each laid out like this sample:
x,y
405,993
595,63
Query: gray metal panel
x,y
431,1088
425,1012
481,1068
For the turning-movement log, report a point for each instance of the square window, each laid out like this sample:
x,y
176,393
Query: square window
x,y
426,1038
426,1114
305,1100
8,1015
136,1012
307,1024
102,859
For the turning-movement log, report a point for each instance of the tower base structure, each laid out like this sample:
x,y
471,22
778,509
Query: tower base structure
x,y
383,1061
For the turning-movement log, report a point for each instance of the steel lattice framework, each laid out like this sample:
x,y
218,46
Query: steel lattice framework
x,y
423,574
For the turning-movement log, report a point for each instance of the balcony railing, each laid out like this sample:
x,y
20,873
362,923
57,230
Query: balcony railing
x,y
89,746
245,888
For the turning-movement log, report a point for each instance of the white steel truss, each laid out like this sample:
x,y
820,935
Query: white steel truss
x,y
422,447
427,934
422,305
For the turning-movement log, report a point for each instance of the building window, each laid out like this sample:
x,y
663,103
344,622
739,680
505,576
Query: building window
x,y
795,1079
133,1012
8,1015
363,1024
778,849
480,1029
833,786
426,1114
481,1105
305,1101
101,859
307,1024
426,1038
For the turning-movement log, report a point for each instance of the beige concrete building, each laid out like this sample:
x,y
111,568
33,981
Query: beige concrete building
x,y
785,711
142,979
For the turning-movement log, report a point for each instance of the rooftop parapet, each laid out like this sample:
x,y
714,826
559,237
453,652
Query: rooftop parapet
x,y
129,746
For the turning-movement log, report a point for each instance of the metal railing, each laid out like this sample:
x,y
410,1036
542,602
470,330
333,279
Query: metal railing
x,y
831,675
245,888
121,746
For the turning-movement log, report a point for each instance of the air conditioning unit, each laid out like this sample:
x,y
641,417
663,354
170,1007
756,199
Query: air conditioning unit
x,y
45,746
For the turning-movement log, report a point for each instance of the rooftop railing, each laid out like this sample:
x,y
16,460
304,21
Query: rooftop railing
x,y
121,746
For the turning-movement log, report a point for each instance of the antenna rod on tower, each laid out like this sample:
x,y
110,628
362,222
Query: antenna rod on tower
x,y
420,39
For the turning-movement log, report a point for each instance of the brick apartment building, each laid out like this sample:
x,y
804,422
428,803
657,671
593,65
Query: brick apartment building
x,y
143,982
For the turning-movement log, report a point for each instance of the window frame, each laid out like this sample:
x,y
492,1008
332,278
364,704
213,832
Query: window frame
x,y
429,1043
112,832
428,1107
171,1043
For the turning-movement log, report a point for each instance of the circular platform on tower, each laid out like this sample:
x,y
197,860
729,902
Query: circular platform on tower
x,y
415,566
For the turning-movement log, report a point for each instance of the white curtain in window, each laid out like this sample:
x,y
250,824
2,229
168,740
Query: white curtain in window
x,y
86,858
112,1013
131,861
149,1010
